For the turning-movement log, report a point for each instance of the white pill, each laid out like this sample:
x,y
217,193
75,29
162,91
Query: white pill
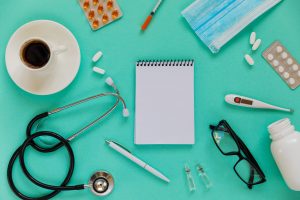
x,y
289,61
298,73
249,59
256,44
284,55
286,75
252,38
275,63
279,49
97,56
295,67
270,56
280,69
291,81
99,70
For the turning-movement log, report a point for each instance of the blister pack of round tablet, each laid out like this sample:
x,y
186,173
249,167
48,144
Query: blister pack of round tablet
x,y
100,12
283,63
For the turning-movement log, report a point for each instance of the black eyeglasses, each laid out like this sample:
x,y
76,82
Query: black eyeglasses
x,y
230,144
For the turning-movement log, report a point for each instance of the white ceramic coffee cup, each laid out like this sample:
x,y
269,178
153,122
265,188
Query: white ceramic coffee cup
x,y
54,50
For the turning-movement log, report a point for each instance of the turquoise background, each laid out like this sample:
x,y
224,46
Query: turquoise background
x,y
167,37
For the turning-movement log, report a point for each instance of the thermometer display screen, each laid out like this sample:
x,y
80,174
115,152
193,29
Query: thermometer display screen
x,y
246,101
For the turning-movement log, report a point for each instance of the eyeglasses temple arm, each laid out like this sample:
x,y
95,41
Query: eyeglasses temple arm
x,y
251,178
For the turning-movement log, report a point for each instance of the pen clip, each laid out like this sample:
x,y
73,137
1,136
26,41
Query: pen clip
x,y
121,146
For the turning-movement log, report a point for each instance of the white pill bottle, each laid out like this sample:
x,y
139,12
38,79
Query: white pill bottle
x,y
285,148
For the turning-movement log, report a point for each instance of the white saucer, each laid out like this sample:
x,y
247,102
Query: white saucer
x,y
65,65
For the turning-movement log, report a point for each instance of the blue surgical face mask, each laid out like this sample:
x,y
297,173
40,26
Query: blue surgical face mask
x,y
217,21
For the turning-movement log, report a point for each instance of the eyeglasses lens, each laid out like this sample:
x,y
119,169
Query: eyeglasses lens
x,y
247,172
224,140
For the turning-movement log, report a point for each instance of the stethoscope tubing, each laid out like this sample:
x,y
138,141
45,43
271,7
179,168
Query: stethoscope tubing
x,y
46,114
62,142
56,189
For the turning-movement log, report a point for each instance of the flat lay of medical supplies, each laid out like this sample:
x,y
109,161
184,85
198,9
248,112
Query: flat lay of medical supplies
x,y
283,63
101,183
125,152
242,101
216,22
43,58
162,87
99,13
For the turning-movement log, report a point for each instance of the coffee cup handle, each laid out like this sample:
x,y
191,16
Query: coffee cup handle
x,y
60,49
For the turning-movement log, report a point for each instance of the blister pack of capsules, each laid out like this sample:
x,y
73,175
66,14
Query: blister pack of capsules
x,y
283,63
100,12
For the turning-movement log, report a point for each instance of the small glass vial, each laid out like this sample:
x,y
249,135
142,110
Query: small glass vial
x,y
189,177
203,176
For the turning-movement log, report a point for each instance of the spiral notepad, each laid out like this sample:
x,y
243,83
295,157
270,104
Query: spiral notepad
x,y
164,111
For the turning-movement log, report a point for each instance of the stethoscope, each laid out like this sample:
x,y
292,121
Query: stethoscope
x,y
100,183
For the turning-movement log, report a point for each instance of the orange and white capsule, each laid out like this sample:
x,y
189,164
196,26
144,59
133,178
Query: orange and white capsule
x,y
115,14
86,5
110,4
91,15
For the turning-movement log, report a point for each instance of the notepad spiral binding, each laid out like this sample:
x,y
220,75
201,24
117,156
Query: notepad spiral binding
x,y
162,63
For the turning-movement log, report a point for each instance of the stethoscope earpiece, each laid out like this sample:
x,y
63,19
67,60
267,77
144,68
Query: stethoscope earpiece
x,y
101,183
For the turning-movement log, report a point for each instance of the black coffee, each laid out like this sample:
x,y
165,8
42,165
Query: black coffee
x,y
35,54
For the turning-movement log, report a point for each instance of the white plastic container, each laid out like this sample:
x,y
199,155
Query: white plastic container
x,y
285,148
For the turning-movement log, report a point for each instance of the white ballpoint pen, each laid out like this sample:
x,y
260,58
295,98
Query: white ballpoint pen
x,y
119,148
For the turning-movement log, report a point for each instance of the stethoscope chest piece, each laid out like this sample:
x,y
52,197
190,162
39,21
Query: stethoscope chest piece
x,y
101,183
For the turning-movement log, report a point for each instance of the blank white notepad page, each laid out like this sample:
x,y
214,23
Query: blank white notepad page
x,y
164,112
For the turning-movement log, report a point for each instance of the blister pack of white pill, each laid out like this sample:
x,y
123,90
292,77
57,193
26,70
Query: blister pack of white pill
x,y
283,63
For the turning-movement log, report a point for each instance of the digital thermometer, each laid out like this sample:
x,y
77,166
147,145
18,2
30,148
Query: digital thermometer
x,y
238,100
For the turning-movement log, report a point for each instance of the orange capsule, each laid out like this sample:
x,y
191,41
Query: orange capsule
x,y
110,4
86,5
91,15
100,9
105,18
95,24
95,2
115,14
